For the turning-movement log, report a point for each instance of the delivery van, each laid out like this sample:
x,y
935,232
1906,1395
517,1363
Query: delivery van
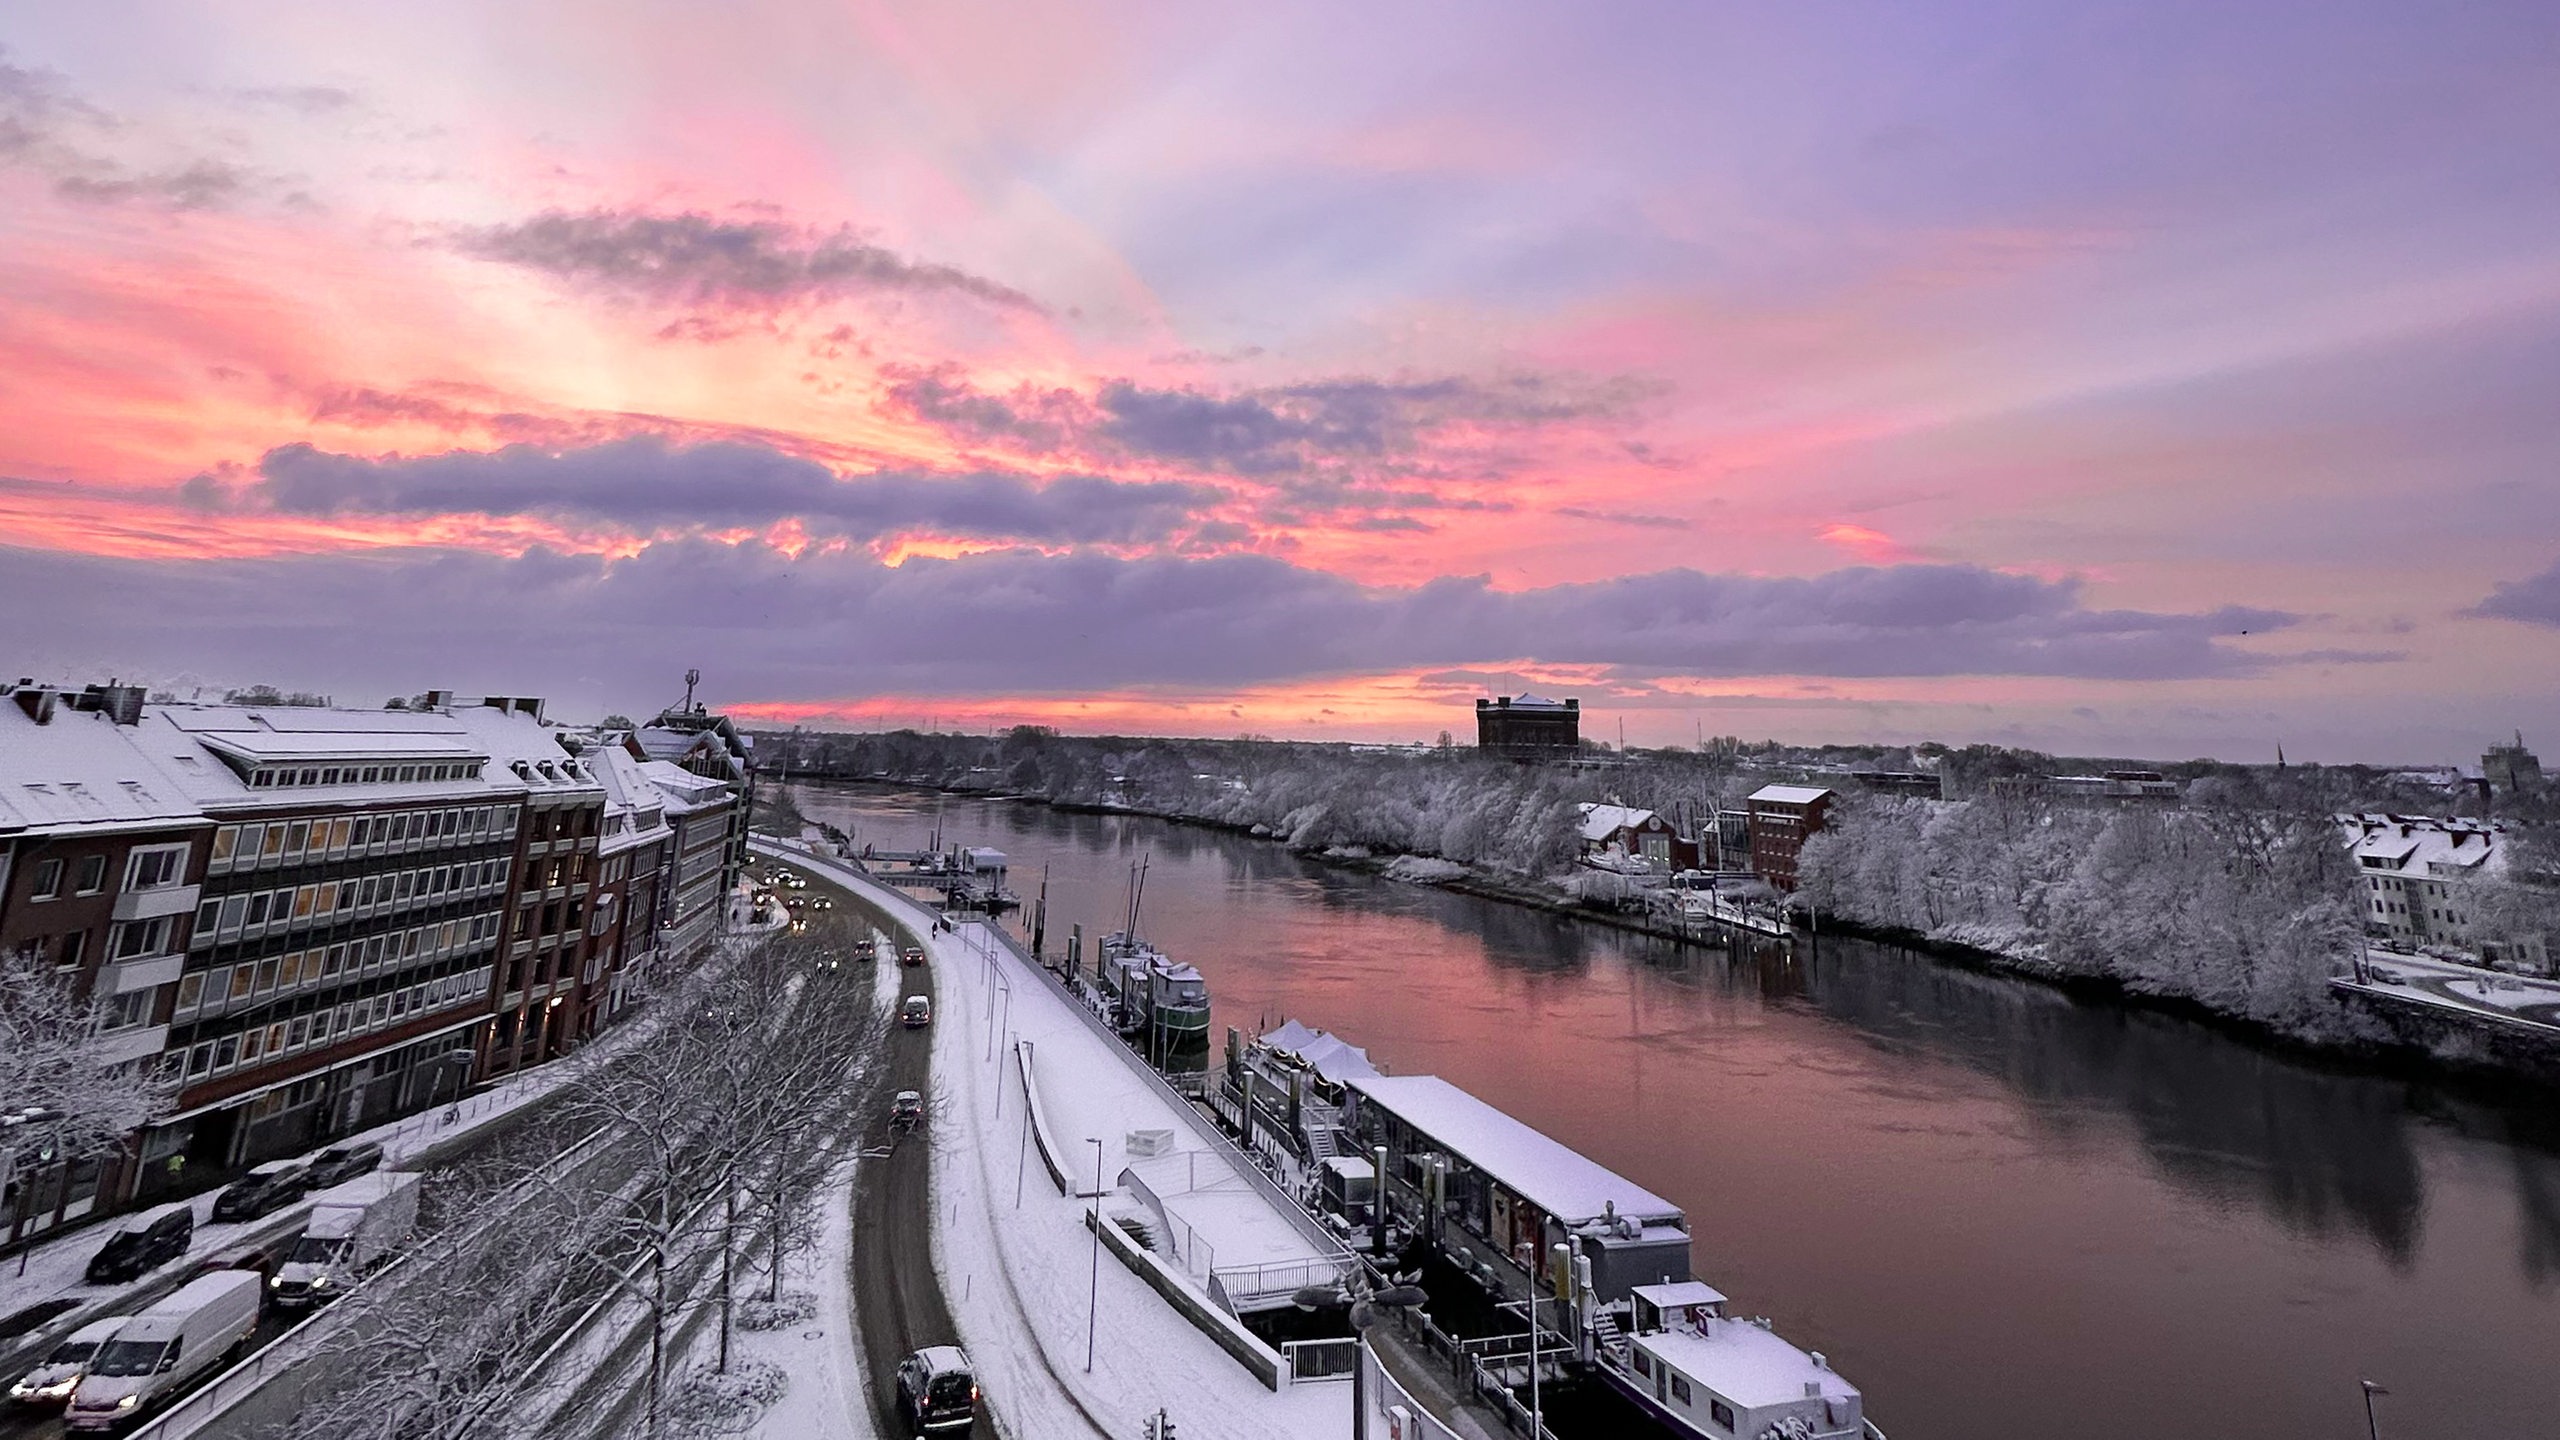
x,y
353,1228
165,1349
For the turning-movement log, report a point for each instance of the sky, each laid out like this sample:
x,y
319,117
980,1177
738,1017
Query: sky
x,y
2147,379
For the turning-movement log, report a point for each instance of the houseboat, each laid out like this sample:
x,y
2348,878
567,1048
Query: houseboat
x,y
1684,1362
1158,1004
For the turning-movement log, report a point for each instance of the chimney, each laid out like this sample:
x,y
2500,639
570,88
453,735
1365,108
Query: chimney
x,y
37,703
440,700
121,703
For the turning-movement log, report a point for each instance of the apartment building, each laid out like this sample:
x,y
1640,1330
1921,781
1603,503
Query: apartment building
x,y
702,812
633,855
538,999
100,858
353,901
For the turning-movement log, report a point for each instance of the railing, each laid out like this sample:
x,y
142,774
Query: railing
x,y
1321,1359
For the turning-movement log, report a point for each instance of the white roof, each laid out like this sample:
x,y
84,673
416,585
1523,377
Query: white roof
x,y
1745,1364
1335,1060
2418,848
1790,794
1678,1295
1557,1179
83,769
1599,822
1535,702
1291,1037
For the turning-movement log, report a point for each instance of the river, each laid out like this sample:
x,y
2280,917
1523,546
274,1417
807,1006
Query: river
x,y
2001,1211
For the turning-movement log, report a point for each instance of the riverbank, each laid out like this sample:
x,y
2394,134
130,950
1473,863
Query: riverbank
x,y
2453,1049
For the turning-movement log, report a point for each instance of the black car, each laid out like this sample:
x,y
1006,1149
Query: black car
x,y
341,1163
145,1243
936,1390
271,1186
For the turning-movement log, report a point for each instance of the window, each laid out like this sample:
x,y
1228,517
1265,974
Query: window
x,y
1680,1388
138,937
1644,1363
242,978
190,992
294,837
311,776
208,915
93,874
155,867
200,1060
223,841
128,1011
1721,1413
74,946
48,880
274,842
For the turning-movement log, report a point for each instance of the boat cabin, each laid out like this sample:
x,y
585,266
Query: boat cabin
x,y
1711,1375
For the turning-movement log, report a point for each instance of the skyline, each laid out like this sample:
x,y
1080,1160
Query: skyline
x,y
2136,382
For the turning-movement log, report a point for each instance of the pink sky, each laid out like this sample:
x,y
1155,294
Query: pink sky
x,y
2109,384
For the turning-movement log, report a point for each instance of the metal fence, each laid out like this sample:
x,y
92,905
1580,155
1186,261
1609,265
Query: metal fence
x,y
1321,1359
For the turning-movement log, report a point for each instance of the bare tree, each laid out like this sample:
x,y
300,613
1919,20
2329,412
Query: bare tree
x,y
55,1080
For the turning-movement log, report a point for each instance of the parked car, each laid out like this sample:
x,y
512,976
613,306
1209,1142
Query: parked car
x,y
341,1163
936,1389
917,1012
906,1111
161,1351
912,955
142,1244
269,1187
53,1380
261,1260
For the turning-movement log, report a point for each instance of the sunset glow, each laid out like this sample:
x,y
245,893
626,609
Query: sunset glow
x,y
1840,374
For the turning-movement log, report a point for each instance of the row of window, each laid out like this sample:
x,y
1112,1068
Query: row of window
x,y
213,991
355,1017
279,777
232,917
287,842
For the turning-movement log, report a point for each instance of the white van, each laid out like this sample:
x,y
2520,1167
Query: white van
x,y
353,1228
165,1348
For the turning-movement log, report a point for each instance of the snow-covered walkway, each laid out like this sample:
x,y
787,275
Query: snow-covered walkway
x,y
2529,1004
1016,1258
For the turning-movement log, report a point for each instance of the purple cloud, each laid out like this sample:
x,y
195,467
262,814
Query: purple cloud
x,y
697,259
644,484
2535,600
1022,622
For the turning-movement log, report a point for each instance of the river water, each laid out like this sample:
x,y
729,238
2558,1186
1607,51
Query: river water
x,y
2002,1212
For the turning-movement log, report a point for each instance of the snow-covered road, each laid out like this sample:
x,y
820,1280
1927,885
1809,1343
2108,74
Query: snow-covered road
x,y
1016,1258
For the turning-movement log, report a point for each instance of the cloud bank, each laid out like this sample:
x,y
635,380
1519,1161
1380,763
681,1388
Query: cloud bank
x,y
1019,622
644,484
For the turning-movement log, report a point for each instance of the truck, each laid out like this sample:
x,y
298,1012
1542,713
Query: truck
x,y
353,1227
159,1353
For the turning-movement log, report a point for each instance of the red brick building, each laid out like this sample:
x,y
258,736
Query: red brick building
x,y
1781,817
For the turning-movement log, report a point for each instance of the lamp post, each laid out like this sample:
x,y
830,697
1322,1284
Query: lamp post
x,y
1093,1305
2371,1429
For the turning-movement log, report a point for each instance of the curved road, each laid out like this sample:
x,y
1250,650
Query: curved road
x,y
898,1303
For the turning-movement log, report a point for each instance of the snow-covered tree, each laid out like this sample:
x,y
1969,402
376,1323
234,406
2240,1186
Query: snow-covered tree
x,y
54,1077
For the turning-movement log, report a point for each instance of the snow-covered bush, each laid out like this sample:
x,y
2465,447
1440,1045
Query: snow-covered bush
x,y
758,1313
711,1402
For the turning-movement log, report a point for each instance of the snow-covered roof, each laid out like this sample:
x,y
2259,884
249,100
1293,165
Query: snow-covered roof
x,y
2423,848
1291,1037
1790,794
1535,702
1335,1060
1549,1174
1599,822
83,770
1678,1294
1747,1365
686,792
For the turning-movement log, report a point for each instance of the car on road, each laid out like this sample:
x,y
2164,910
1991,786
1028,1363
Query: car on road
x,y
906,1111
917,1012
52,1381
143,1243
161,1351
341,1163
937,1391
271,1186
912,955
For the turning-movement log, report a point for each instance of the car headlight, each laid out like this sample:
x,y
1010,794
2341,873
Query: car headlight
x,y
275,1282
320,1283
129,1401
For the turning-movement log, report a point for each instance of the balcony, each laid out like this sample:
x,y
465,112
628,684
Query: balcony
x,y
152,904
126,975
119,1046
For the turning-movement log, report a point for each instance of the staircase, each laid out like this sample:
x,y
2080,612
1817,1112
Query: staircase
x,y
1606,1338
1320,1143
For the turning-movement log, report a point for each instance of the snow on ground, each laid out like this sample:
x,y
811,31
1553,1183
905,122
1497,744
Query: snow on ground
x,y
2511,999
822,1354
1019,1272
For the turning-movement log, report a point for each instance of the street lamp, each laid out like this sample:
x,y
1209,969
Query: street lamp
x,y
2371,1430
1093,1305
